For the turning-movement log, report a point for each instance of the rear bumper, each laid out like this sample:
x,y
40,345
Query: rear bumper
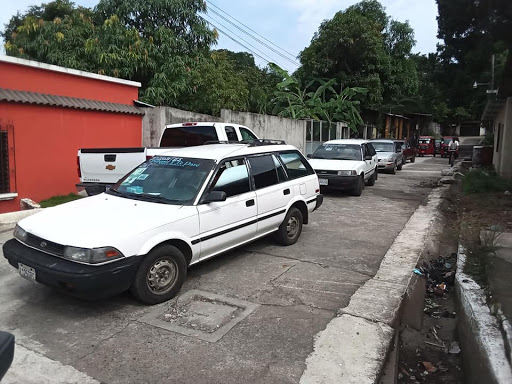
x,y
86,281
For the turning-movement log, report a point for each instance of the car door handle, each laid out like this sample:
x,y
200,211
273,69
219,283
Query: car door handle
x,y
249,203
286,191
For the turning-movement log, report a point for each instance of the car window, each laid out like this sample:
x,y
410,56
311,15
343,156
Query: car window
x,y
398,146
174,180
381,146
281,173
296,165
263,171
366,150
231,133
338,152
188,136
232,178
247,135
372,150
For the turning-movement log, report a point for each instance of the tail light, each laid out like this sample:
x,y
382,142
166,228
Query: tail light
x,y
78,167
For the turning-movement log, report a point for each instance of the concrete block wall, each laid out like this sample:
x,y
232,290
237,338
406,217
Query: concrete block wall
x,y
155,119
270,127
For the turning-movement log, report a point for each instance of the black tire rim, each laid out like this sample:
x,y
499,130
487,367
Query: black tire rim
x,y
292,227
161,276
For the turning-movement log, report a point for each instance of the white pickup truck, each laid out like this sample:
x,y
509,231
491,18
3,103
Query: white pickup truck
x,y
100,168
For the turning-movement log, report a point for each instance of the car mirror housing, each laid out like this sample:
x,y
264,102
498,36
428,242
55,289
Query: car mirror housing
x,y
215,196
309,156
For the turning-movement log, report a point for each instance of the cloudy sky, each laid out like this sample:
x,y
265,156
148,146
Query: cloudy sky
x,y
290,24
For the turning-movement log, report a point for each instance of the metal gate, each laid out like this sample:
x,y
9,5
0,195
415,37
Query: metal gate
x,y
4,162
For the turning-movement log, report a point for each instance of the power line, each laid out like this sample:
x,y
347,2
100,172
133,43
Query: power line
x,y
262,55
266,60
250,35
252,30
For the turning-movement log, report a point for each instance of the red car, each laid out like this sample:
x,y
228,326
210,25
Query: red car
x,y
408,152
426,146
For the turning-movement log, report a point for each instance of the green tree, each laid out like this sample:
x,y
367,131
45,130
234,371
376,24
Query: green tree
x,y
361,47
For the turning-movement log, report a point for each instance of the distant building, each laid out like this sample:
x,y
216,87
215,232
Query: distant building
x,y
46,114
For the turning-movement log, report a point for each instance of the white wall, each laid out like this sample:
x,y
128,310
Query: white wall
x,y
502,158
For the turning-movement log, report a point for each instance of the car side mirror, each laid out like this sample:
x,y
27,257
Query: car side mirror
x,y
6,352
369,157
309,156
398,150
215,196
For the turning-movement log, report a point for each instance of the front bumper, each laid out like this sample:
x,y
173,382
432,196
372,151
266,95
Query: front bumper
x,y
340,182
86,281
386,165
319,201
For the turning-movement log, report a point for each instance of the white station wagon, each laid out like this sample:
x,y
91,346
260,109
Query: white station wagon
x,y
172,211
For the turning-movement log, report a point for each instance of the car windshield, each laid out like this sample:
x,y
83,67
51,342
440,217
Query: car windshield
x,y
382,147
165,179
338,152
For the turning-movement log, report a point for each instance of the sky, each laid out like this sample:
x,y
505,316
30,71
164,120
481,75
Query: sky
x,y
289,24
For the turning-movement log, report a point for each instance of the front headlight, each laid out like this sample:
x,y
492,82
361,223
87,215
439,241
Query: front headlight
x,y
92,256
347,173
20,234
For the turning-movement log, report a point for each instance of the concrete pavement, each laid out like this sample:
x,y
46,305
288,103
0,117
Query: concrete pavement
x,y
298,290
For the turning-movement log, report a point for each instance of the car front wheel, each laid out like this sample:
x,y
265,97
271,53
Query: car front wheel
x,y
358,189
160,276
371,180
290,229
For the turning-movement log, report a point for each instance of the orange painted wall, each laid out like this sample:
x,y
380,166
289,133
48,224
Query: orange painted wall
x,y
25,78
47,140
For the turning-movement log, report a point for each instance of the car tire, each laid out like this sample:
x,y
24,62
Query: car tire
x,y
399,168
371,180
358,189
434,155
166,260
413,159
290,229
393,171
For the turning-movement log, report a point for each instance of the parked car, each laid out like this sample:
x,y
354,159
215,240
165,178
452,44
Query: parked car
x,y
345,164
438,146
100,168
389,155
408,151
174,210
426,146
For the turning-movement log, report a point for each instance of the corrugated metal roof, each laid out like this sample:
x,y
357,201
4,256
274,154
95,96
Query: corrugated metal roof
x,y
26,97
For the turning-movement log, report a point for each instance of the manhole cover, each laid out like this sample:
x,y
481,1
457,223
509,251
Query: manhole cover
x,y
204,315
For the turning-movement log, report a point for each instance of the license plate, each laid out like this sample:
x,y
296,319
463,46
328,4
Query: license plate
x,y
27,272
323,181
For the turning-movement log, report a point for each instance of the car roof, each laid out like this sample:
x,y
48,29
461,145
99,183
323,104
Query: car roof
x,y
221,151
192,124
384,140
347,141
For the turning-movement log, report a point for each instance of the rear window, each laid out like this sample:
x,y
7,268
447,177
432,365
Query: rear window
x,y
188,136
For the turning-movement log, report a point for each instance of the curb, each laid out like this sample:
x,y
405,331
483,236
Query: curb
x,y
9,220
482,341
354,345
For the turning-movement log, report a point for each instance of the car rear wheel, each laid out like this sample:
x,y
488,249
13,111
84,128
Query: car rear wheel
x,y
413,159
290,229
358,189
160,276
371,180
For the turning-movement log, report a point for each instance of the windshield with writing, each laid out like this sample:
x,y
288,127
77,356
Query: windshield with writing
x,y
338,152
383,147
165,179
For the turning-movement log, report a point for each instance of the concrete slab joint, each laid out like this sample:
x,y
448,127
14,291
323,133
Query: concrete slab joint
x,y
353,347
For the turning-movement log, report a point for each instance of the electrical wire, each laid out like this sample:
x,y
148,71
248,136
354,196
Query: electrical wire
x,y
262,55
250,35
252,30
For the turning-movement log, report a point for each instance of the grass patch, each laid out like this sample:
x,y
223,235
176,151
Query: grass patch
x,y
57,200
481,181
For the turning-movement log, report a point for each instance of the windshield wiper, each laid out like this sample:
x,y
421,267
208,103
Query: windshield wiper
x,y
114,192
317,157
153,198
344,158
